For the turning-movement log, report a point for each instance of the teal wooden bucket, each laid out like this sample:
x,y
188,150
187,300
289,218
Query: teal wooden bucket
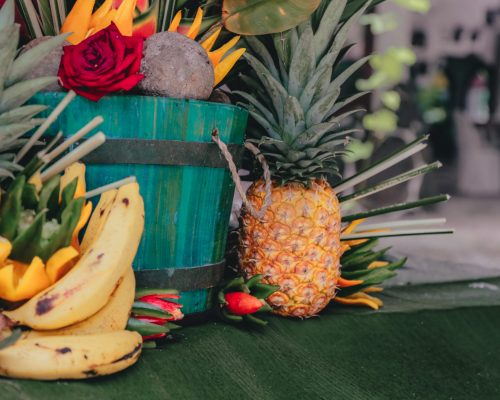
x,y
188,204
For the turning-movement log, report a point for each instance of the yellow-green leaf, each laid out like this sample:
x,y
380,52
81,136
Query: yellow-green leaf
x,y
383,121
260,17
391,100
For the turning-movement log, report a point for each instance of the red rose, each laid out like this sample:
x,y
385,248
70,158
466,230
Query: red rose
x,y
101,64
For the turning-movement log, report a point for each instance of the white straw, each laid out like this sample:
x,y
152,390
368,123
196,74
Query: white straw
x,y
379,168
46,124
74,138
75,155
111,186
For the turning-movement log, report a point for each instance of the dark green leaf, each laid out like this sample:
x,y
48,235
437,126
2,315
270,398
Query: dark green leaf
x,y
10,210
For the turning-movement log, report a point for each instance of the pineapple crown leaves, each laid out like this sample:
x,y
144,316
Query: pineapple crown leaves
x,y
296,93
16,119
241,299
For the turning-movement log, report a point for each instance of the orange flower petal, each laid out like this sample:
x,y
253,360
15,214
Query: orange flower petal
x,y
78,20
60,263
195,27
175,22
208,43
33,281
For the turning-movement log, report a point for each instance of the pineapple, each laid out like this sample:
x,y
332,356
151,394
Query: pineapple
x,y
296,245
15,118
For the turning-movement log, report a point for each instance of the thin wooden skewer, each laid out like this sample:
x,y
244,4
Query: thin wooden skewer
x,y
74,138
75,155
111,186
46,124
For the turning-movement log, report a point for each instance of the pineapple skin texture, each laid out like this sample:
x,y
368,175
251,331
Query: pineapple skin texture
x,y
296,246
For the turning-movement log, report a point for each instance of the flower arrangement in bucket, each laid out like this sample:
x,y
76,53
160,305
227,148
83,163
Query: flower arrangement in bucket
x,y
299,247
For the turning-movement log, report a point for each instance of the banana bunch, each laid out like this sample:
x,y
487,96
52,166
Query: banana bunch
x,y
78,324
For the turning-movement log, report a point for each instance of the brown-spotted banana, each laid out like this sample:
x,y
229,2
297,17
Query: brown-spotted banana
x,y
88,286
70,357
98,219
112,317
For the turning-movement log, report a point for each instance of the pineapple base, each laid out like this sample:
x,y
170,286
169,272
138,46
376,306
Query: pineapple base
x,y
296,246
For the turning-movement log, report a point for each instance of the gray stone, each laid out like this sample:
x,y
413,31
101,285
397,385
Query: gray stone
x,y
49,66
175,66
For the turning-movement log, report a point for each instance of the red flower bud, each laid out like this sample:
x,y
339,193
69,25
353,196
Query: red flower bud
x,y
171,307
239,303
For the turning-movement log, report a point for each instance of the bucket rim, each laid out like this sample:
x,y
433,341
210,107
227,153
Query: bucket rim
x,y
105,99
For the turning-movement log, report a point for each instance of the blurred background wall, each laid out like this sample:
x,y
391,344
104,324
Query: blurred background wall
x,y
452,93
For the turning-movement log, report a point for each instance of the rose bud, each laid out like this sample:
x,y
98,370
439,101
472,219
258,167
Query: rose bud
x,y
239,303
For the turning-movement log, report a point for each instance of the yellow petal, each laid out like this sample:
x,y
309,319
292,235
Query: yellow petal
x,y
60,263
36,179
226,65
100,13
216,56
350,228
8,280
75,170
356,302
378,264
174,25
195,27
78,20
104,22
5,249
84,217
33,281
363,295
208,43
124,18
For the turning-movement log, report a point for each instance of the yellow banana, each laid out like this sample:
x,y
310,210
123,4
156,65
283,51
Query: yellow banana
x,y
70,357
112,317
88,286
98,219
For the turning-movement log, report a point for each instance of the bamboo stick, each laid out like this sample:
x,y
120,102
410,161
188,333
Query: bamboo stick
x,y
111,186
46,124
75,155
74,138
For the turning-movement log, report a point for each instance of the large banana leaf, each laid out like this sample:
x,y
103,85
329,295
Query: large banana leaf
x,y
260,17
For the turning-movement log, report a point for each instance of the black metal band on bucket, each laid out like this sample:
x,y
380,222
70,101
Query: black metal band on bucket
x,y
162,152
184,279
